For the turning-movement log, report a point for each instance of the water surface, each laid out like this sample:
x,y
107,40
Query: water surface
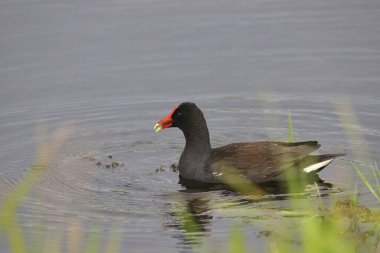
x,y
112,69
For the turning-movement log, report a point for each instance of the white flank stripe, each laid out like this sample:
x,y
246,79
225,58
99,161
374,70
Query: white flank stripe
x,y
316,166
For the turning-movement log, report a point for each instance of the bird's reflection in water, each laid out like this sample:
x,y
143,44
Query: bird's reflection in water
x,y
190,215
284,188
191,212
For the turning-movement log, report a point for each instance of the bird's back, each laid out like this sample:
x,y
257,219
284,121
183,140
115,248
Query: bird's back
x,y
258,161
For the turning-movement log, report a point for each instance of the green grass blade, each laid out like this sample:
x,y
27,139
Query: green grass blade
x,y
356,192
290,127
377,171
16,238
93,243
366,182
376,178
237,243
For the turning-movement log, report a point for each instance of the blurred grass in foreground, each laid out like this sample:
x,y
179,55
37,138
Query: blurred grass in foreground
x,y
52,242
9,223
347,226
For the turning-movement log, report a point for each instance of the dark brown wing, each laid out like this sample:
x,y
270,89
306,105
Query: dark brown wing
x,y
259,161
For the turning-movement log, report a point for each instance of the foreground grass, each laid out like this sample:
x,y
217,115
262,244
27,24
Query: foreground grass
x,y
9,223
345,227
375,190
10,226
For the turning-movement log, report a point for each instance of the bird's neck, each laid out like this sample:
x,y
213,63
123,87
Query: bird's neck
x,y
197,149
197,138
198,142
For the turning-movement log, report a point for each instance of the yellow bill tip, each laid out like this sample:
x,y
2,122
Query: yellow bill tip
x,y
157,127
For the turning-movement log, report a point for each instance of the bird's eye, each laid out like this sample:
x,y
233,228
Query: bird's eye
x,y
179,114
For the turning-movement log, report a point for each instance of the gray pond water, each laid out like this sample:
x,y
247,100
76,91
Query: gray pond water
x,y
111,69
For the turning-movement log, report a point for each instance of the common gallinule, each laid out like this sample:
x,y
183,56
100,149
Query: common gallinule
x,y
258,162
